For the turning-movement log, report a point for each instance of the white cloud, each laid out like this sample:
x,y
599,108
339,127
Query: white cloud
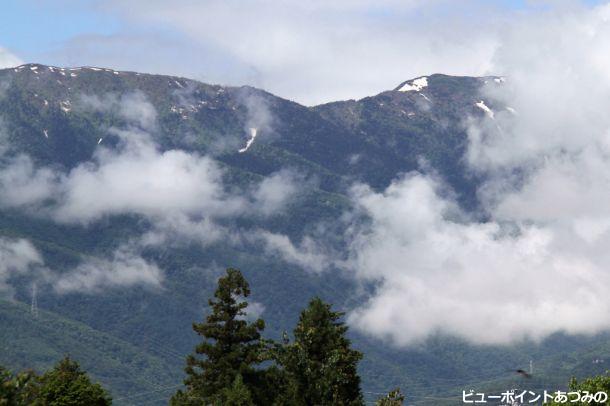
x,y
17,256
142,180
484,282
179,229
22,184
134,107
275,191
180,192
540,264
307,254
124,269
537,265
8,60
309,51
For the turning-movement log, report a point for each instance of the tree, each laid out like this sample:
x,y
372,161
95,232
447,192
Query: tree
x,y
238,394
394,398
67,385
320,365
231,350
16,389
591,385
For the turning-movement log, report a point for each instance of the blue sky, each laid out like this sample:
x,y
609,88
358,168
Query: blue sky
x,y
31,27
310,51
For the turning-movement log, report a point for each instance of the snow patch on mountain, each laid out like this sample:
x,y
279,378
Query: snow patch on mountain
x,y
486,109
415,85
253,134
66,106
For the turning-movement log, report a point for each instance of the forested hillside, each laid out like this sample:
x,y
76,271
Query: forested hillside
x,y
252,181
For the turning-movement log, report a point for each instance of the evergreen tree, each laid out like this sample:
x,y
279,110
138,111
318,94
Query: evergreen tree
x,y
67,385
16,389
321,366
394,398
238,394
231,349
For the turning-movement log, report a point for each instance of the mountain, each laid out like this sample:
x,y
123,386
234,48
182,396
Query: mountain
x,y
57,120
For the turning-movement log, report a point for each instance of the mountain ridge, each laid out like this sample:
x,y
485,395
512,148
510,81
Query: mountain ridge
x,y
61,122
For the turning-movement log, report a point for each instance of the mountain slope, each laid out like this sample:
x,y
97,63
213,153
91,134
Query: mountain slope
x,y
61,117
30,342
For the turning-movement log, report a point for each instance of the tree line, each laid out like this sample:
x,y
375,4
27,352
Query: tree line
x,y
233,364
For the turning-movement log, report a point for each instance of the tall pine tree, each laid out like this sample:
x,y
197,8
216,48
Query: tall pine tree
x,y
320,365
231,350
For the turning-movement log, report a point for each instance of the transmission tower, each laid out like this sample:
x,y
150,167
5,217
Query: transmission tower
x,y
34,306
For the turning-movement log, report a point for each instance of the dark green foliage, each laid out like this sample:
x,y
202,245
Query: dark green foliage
x,y
319,368
394,398
68,385
64,385
231,349
600,383
38,343
238,394
16,389
320,365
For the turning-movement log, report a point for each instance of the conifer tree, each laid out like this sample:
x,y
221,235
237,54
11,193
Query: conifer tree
x,y
238,394
224,363
320,365
67,385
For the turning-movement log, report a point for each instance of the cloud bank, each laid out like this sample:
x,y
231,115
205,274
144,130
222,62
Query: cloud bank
x,y
537,265
180,194
311,52
540,264
485,282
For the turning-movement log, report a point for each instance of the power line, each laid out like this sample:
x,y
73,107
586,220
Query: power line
x,y
148,392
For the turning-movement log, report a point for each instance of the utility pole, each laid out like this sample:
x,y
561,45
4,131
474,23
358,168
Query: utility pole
x,y
531,367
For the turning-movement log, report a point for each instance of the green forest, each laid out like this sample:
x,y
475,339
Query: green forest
x,y
234,365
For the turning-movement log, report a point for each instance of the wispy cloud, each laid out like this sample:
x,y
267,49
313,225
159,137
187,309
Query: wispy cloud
x,y
309,51
181,195
125,268
8,59
17,257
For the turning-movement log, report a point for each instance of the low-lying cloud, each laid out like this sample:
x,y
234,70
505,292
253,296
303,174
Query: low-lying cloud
x,y
124,268
537,265
143,180
540,264
133,107
17,257
181,194
486,282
